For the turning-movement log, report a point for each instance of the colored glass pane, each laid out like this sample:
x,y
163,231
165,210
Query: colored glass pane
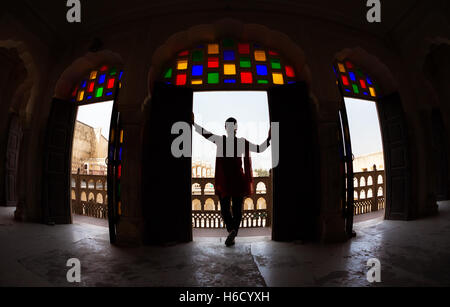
x,y
355,89
110,83
104,68
290,71
213,48
349,65
101,79
99,92
120,74
93,75
109,93
182,64
89,97
113,71
168,73
181,79
228,55
83,84
119,171
372,91
369,81
246,77
341,67
91,86
244,48
213,62
245,62
363,83
80,95
197,82
183,53
260,55
121,136
74,92
263,82
229,69
213,77
345,81
275,64
352,76
197,56
272,52
229,81
277,78
261,70
197,70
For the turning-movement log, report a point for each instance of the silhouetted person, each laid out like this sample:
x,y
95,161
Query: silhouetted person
x,y
232,182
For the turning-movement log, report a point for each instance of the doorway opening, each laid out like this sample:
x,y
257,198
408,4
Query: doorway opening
x,y
368,159
89,187
211,109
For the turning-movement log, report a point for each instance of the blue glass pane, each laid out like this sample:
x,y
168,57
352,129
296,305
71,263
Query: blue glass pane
x,y
197,70
369,81
120,153
83,84
120,74
101,79
108,93
261,70
229,80
352,75
228,55
89,97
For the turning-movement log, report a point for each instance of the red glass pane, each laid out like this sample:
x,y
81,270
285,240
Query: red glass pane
x,y
213,62
91,87
104,68
345,81
363,84
349,65
246,77
183,53
119,171
74,92
244,48
111,83
181,79
272,52
290,71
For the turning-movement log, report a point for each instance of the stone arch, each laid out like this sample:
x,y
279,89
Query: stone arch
x,y
261,203
99,185
91,184
248,204
91,197
355,195
83,196
369,193
99,198
261,188
209,205
209,189
362,194
196,189
73,195
232,28
196,205
380,191
362,181
369,180
380,179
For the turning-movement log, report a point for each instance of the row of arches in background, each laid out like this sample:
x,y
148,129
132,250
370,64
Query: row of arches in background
x,y
210,205
91,184
209,189
369,194
362,181
98,198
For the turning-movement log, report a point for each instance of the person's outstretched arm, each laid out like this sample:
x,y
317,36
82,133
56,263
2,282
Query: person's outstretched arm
x,y
262,147
203,132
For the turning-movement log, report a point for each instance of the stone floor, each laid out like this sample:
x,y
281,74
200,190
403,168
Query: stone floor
x,y
414,253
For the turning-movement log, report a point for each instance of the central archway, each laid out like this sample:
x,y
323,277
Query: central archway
x,y
227,55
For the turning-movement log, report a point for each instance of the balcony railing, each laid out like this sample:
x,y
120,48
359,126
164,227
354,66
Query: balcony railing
x,y
89,195
368,191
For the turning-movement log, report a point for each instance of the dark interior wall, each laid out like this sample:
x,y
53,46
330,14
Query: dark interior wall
x,y
12,74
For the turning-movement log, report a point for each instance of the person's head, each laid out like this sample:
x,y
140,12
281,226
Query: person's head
x,y
231,126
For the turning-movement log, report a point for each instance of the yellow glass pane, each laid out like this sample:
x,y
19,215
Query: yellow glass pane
x,y
112,136
119,207
93,75
341,67
229,69
213,48
182,64
277,78
372,91
80,95
121,136
260,55
196,82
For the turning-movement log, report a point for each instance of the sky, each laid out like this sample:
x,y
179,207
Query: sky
x,y
251,110
365,133
97,115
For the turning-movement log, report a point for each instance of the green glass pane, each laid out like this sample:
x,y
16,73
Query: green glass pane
x,y
275,64
197,56
213,78
245,62
263,81
113,71
360,73
228,42
355,89
99,92
168,73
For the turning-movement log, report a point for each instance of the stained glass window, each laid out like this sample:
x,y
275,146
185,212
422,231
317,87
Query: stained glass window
x,y
101,85
228,63
354,82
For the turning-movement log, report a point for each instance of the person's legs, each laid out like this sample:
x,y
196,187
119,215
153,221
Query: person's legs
x,y
237,212
226,213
